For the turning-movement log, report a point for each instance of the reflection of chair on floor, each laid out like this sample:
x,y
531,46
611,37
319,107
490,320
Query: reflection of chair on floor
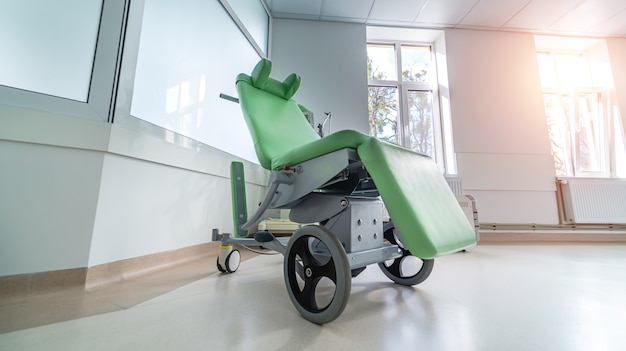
x,y
338,181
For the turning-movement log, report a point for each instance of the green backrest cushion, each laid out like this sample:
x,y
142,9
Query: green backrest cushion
x,y
275,121
261,80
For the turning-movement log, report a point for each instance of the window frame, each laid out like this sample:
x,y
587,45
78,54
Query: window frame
x,y
104,76
404,87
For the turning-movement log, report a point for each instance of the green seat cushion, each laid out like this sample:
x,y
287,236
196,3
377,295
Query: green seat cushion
x,y
333,142
418,198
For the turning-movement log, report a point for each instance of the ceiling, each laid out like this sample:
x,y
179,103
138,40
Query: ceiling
x,y
594,18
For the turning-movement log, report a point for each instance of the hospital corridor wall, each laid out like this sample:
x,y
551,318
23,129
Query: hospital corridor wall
x,y
79,192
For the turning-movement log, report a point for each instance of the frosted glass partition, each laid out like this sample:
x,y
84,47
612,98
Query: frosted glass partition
x,y
190,51
255,19
48,46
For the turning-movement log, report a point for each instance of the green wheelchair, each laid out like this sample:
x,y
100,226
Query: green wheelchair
x,y
338,188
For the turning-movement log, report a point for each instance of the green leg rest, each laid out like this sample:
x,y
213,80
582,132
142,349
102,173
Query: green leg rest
x,y
418,198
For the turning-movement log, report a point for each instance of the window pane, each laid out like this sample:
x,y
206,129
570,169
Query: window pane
x,y
421,137
589,142
179,74
558,130
383,113
381,62
416,63
48,46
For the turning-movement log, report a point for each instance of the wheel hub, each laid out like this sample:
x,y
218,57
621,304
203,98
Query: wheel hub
x,y
308,272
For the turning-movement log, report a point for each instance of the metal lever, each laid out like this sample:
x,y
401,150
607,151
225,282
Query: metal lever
x,y
229,98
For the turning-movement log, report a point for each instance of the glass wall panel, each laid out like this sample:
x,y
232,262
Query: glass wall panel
x,y
190,51
48,46
255,19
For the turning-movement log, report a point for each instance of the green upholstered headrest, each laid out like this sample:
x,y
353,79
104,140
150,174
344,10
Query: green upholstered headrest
x,y
260,79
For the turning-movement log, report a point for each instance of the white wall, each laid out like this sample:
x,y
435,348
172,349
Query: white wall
x,y
77,193
48,194
156,196
331,58
500,130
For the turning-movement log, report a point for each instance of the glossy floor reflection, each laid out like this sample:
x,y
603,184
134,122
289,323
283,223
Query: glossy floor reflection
x,y
493,297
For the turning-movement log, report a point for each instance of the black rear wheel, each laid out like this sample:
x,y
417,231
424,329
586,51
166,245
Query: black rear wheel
x,y
317,274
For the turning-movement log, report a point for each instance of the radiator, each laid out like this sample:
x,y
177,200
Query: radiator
x,y
593,200
467,202
455,183
468,205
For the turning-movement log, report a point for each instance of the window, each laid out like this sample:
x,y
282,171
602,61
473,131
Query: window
x,y
583,124
403,100
49,46
253,20
60,56
177,82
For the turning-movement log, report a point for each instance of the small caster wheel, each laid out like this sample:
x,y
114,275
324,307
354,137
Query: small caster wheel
x,y
232,261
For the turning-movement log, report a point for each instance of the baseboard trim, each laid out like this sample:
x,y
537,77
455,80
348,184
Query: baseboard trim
x,y
104,274
538,237
117,271
41,282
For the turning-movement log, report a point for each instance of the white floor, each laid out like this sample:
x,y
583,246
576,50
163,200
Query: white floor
x,y
493,297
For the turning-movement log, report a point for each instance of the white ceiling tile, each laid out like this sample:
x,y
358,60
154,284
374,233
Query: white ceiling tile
x,y
493,13
306,7
613,26
539,14
570,17
445,11
396,10
588,14
347,8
